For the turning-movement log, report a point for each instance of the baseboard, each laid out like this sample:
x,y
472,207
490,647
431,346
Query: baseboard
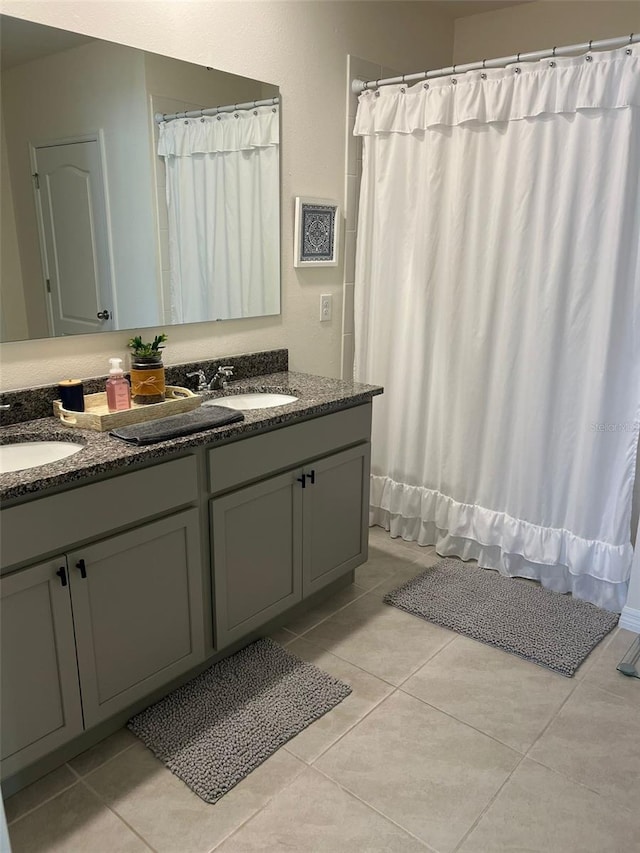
x,y
630,619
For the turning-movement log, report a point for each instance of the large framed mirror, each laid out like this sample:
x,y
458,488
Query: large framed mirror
x,y
118,210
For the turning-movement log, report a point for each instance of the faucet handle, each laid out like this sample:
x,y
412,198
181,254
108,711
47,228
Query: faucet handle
x,y
202,379
226,370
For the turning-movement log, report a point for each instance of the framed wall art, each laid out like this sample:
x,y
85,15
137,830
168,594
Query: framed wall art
x,y
317,232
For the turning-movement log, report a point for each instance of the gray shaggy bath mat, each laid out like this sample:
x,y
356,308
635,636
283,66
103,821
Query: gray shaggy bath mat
x,y
550,629
217,728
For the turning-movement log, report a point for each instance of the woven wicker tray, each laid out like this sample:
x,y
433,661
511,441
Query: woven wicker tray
x,y
97,416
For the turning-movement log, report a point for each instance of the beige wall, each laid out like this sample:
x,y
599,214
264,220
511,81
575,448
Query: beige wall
x,y
301,47
13,313
535,26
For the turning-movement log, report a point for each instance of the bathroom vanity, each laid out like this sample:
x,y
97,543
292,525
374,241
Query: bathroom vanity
x,y
126,569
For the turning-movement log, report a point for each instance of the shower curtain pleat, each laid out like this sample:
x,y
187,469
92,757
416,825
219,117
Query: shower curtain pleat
x,y
498,301
223,195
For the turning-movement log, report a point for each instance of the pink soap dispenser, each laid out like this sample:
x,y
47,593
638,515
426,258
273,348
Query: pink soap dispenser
x,y
118,389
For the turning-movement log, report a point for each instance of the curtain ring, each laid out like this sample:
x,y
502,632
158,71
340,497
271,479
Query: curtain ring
x,y
590,43
554,52
631,38
484,64
518,59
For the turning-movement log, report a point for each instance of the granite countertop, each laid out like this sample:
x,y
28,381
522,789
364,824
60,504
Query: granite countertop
x,y
103,454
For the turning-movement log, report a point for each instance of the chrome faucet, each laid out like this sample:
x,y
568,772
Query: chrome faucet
x,y
202,379
222,376
219,381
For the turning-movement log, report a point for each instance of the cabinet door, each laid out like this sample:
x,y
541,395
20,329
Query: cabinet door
x,y
137,608
40,696
257,554
335,526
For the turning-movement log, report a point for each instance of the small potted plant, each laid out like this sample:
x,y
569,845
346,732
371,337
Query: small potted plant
x,y
147,371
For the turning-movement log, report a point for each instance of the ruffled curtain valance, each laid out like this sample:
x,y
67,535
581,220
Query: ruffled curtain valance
x,y
606,80
243,130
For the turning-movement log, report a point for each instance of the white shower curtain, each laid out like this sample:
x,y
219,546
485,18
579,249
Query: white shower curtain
x,y
498,301
224,215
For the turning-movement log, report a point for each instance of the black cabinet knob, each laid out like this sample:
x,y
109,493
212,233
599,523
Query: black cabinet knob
x,y
83,569
62,574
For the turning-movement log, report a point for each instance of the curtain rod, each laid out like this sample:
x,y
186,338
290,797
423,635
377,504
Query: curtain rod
x,y
358,86
212,111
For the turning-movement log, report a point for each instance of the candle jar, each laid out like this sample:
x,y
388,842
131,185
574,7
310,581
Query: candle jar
x,y
147,379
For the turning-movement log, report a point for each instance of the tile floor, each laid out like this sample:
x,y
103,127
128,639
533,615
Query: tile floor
x,y
444,745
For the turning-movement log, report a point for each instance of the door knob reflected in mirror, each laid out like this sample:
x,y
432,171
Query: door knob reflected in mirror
x,y
103,315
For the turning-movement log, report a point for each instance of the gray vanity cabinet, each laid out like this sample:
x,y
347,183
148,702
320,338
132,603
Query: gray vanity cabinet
x,y
257,555
137,611
278,540
89,632
335,517
40,699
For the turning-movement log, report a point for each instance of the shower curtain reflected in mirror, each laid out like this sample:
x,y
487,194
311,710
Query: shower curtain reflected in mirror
x,y
498,301
223,207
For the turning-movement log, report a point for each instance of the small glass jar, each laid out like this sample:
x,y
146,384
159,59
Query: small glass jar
x,y
147,379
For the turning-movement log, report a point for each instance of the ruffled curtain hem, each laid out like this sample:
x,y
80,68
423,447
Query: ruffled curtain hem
x,y
591,570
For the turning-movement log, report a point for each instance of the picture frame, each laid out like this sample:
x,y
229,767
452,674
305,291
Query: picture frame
x,y
317,232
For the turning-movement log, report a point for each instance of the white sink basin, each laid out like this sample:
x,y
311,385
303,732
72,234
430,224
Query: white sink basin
x,y
30,454
252,400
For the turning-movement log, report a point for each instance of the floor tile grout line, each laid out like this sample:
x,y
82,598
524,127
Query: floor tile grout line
x,y
42,802
464,723
361,720
351,793
367,671
555,716
345,660
492,800
567,778
267,802
432,656
237,829
332,614
334,742
78,778
115,812
606,690
104,763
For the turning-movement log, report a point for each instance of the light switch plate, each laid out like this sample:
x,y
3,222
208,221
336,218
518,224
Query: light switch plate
x,y
325,307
